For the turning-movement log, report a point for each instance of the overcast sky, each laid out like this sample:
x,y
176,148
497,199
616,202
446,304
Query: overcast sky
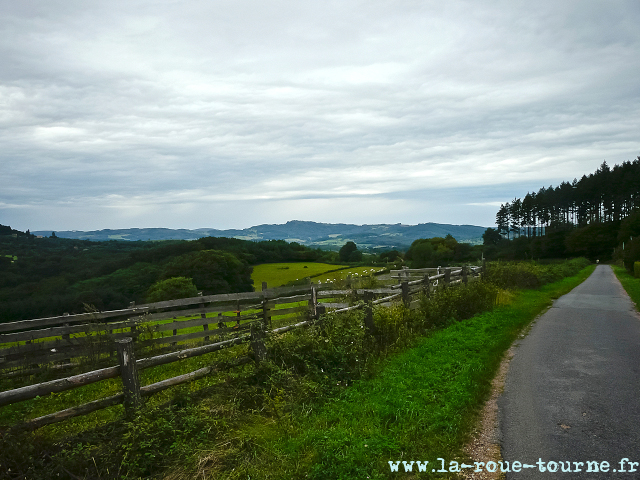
x,y
228,114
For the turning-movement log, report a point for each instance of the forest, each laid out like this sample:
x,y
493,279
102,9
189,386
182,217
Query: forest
x,y
597,216
50,275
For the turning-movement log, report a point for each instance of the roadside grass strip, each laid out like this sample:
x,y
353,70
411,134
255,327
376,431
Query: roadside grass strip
x,y
630,283
422,406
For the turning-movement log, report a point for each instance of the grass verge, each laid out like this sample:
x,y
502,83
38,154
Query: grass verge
x,y
630,283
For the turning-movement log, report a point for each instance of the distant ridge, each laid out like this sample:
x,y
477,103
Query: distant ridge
x,y
324,235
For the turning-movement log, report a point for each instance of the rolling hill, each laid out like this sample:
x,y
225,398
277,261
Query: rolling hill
x,y
323,235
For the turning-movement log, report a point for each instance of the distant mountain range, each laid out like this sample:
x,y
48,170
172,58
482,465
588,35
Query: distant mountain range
x,y
323,235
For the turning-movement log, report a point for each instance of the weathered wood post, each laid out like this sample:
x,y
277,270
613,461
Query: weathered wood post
x,y
134,328
404,286
465,278
129,374
221,324
447,276
368,313
266,313
427,285
264,286
257,342
238,312
313,304
67,337
203,314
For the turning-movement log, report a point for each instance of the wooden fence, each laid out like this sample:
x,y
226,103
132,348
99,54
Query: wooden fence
x,y
212,323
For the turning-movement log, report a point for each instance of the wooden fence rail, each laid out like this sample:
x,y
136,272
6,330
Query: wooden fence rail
x,y
258,322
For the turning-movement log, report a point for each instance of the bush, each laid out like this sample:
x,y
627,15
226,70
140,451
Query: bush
x,y
171,288
213,271
531,274
636,269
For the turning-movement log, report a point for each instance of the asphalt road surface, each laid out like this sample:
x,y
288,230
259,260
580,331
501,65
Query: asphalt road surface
x,y
572,393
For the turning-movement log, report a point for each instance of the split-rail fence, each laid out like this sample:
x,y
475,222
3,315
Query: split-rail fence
x,y
174,330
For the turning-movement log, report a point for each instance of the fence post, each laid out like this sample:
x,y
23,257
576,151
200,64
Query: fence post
x,y
266,313
129,374
447,276
204,315
257,342
264,286
66,336
313,304
368,313
405,293
465,278
427,285
221,324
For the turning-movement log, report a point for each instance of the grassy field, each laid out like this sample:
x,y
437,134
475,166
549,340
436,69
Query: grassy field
x,y
278,274
630,283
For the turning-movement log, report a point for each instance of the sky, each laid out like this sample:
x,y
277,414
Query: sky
x,y
228,114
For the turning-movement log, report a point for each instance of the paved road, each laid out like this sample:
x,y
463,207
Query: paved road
x,y
572,392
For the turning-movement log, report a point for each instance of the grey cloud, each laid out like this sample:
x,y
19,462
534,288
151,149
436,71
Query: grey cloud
x,y
242,105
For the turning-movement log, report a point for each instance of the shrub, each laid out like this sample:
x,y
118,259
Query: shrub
x,y
171,288
531,274
636,269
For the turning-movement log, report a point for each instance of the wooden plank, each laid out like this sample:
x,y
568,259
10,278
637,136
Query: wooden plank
x,y
23,372
375,291
334,305
71,412
62,343
73,329
191,376
291,327
387,299
273,293
54,386
190,352
61,319
288,311
198,322
38,360
334,293
293,299
414,270
346,309
194,335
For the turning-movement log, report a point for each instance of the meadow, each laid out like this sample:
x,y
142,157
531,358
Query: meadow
x,y
279,274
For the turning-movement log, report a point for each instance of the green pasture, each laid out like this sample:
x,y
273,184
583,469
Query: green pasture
x,y
279,274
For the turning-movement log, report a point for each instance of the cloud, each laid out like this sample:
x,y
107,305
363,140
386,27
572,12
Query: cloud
x,y
119,114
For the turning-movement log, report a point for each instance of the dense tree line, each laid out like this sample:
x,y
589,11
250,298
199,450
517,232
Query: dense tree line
x,y
597,216
439,251
607,195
